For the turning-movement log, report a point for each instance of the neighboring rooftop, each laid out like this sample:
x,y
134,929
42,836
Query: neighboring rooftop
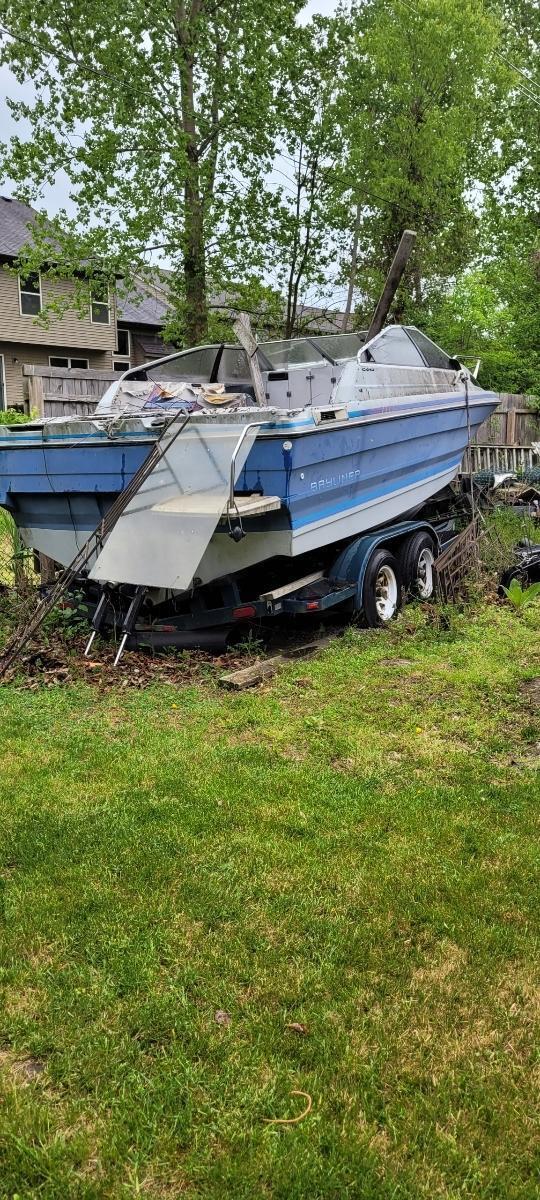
x,y
142,308
15,217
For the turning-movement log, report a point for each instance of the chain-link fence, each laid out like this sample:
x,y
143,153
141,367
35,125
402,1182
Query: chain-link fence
x,y
18,579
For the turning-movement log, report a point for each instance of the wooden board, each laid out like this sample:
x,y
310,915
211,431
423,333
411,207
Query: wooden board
x,y
267,667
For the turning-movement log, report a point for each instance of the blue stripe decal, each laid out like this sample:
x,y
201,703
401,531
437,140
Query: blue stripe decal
x,y
16,442
377,493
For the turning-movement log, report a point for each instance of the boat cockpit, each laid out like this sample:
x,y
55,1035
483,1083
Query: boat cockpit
x,y
296,372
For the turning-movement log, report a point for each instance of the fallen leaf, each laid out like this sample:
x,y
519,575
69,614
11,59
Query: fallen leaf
x,y
296,1027
222,1017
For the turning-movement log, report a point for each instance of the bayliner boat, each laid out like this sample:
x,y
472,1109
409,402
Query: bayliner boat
x,y
347,436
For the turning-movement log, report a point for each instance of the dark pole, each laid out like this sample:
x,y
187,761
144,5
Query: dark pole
x,y
390,288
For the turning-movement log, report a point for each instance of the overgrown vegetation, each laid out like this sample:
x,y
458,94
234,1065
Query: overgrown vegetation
x,y
519,596
330,885
10,416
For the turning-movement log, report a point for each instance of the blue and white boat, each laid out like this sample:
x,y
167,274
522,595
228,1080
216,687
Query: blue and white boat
x,y
354,434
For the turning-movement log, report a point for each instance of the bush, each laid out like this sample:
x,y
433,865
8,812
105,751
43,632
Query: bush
x,y
10,416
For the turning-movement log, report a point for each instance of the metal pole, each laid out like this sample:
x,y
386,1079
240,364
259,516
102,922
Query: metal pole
x,y
393,278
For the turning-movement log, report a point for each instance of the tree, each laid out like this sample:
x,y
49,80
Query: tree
x,y
307,217
421,85
163,117
493,312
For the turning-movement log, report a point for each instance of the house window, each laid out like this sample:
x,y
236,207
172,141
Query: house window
x,y
100,311
30,294
73,364
123,340
120,364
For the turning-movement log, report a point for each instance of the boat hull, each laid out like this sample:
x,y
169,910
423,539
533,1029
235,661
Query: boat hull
x,y
335,478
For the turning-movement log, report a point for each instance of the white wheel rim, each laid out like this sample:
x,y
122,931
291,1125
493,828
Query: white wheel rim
x,y
424,574
386,593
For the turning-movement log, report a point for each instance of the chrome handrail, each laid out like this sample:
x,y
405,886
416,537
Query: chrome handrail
x,y
237,448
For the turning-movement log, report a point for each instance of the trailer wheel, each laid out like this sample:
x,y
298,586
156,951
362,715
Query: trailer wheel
x,y
416,559
381,593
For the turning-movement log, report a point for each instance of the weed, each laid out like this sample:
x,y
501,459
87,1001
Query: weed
x,y
251,646
10,416
518,596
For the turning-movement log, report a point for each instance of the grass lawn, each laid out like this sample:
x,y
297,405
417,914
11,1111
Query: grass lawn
x,y
352,849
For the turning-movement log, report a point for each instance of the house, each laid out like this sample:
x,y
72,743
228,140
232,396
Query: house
x,y
116,333
111,336
140,320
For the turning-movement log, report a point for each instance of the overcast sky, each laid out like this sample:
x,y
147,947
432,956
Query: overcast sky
x,y
56,196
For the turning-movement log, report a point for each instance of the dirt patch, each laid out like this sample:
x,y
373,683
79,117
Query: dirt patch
x,y
23,1002
447,960
63,665
396,662
519,995
21,1070
157,1185
531,689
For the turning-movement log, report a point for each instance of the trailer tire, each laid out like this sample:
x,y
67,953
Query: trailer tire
x,y
381,591
416,559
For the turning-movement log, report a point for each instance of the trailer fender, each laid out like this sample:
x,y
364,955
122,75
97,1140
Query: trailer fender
x,y
351,563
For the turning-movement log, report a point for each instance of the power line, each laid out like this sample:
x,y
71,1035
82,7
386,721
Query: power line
x,y
513,67
534,96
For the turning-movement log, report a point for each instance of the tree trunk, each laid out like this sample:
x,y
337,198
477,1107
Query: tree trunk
x,y
352,272
194,244
195,269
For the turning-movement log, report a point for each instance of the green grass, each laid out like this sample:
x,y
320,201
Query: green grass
x,y
354,848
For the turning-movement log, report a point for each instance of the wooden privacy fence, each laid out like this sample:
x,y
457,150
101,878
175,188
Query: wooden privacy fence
x,y
59,392
514,423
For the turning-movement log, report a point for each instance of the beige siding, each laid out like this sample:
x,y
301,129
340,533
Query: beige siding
x,y
70,330
15,354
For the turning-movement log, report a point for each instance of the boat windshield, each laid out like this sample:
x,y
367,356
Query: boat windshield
x,y
406,346
394,347
292,352
340,346
195,366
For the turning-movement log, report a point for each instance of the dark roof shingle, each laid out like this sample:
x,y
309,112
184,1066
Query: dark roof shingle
x,y
142,308
14,220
